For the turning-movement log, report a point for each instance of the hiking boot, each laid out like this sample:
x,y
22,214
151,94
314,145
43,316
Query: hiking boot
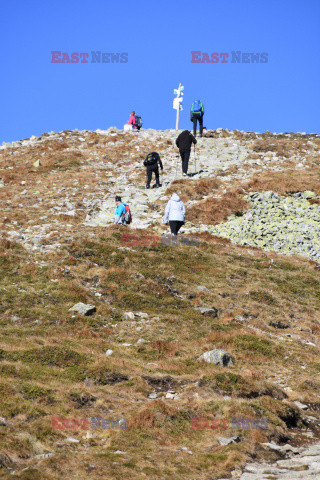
x,y
147,186
158,185
184,174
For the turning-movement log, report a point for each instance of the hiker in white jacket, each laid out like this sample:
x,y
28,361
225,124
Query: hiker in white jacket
x,y
175,214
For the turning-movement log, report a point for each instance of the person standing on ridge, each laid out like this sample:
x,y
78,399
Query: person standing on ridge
x,y
151,163
196,114
184,142
175,214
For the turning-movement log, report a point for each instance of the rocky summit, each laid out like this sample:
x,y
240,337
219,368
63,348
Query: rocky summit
x,y
125,352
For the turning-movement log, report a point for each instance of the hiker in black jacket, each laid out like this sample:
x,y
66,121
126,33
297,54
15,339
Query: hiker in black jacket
x,y
184,142
151,162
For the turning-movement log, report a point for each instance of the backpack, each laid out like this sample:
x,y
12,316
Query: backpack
x,y
128,215
150,160
196,106
137,121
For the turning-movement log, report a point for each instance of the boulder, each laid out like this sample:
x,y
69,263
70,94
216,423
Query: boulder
x,y
83,309
226,441
208,312
217,357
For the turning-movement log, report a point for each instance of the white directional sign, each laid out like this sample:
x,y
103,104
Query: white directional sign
x,y
177,106
177,102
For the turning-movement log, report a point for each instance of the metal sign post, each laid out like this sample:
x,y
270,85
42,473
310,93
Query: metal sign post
x,y
177,101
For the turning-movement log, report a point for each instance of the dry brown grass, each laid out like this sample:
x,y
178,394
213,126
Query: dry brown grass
x,y
53,362
193,190
285,182
212,211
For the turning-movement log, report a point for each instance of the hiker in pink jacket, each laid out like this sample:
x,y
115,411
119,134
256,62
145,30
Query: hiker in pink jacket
x,y
132,119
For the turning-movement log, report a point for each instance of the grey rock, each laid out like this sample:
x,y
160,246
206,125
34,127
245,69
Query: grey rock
x,y
44,455
153,395
217,357
300,405
83,309
228,440
208,312
185,449
282,448
72,440
141,314
3,422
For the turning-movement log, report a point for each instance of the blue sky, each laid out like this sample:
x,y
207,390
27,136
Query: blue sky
x,y
39,96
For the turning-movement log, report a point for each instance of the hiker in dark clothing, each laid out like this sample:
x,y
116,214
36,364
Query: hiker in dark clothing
x,y
184,142
196,115
151,162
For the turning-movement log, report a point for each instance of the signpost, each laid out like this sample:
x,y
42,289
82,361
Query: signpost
x,y
177,102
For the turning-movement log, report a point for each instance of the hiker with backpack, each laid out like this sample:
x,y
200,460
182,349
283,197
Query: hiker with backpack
x,y
151,163
135,121
184,142
196,115
175,213
122,215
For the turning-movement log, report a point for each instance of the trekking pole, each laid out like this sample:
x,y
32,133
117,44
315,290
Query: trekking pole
x,y
176,166
195,160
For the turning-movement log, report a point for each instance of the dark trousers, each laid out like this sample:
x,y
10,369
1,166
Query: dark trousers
x,y
175,226
198,118
185,155
151,169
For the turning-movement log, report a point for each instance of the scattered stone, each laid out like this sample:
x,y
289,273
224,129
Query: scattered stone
x,y
202,289
185,449
109,352
226,441
72,440
208,312
217,357
141,315
289,225
44,455
282,448
300,405
171,395
141,340
153,395
37,163
83,309
129,315
3,422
